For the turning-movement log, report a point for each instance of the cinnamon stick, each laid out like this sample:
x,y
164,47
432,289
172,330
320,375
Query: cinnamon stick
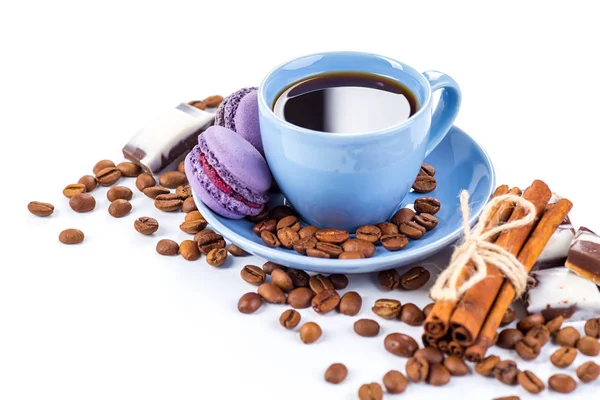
x,y
471,311
429,341
548,224
438,320
455,349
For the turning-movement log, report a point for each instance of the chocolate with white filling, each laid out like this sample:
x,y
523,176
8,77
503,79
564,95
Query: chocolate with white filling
x,y
584,255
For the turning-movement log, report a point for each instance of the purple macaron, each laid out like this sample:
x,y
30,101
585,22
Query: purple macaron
x,y
239,112
228,174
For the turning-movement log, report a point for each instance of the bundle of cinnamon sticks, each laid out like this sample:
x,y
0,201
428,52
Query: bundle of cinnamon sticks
x,y
467,326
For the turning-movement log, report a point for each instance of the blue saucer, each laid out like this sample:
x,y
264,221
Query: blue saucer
x,y
460,163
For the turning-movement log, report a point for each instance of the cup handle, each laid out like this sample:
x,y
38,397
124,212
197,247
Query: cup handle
x,y
446,109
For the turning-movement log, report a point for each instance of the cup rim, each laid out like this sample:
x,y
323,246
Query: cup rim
x,y
344,135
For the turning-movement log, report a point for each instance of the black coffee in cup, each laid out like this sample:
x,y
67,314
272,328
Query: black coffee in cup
x,y
346,102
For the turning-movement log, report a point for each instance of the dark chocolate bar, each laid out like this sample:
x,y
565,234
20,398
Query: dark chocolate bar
x,y
584,255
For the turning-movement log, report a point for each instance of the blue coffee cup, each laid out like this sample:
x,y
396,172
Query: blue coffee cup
x,y
347,180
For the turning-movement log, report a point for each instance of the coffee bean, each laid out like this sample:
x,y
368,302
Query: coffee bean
x,y
271,293
387,308
208,240
236,250
261,216
486,366
308,231
194,216
530,382
144,181
317,253
189,250
303,244
424,184
412,230
71,236
188,205
198,104
89,182
350,255
588,372
331,235
562,383
82,202
40,209
310,332
299,277
592,327
506,371
395,382
282,279
168,202
539,333
366,328
216,257
427,221
438,375
589,346
325,301
428,205
266,225
387,228
253,274
567,336
400,344
432,355
167,247
508,338
555,324
529,322
417,369
154,191
427,309
319,283
129,169
300,297
508,317
389,279
456,365
280,212
528,349
181,167
394,242
145,225
427,169
415,278
184,191
412,315
213,101
332,249
249,303
172,179
108,176
370,233
339,281
119,208
73,189
287,237
119,192
370,391
350,303
289,319
102,164
507,398
367,249
291,221
269,267
336,373
193,227
403,215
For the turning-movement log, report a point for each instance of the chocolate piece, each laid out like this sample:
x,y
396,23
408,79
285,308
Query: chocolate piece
x,y
167,138
555,252
557,291
584,255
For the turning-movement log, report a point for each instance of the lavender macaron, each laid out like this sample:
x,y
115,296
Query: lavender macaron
x,y
228,174
239,112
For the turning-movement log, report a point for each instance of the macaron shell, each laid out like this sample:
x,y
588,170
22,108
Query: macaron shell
x,y
230,109
246,120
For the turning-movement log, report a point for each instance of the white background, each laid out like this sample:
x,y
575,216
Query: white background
x,y
111,319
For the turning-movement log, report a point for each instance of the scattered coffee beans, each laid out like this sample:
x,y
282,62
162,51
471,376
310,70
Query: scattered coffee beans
x,y
310,332
168,202
100,165
366,328
400,344
269,239
119,208
412,315
253,274
189,250
486,366
145,225
438,375
528,349
555,324
269,267
319,283
40,209
506,371
330,235
300,297
394,242
369,233
154,191
291,221
417,369
588,371
562,383
350,304
282,279
592,327
194,216
336,373
208,240
333,250
387,228
287,237
236,250
129,169
188,205
395,382
530,382
589,346
317,253
508,338
271,293
427,309
215,257
194,226
370,391
82,202
89,181
403,215
299,277
432,355
280,212
213,101
412,230
415,278
249,303
339,281
71,236
427,169
167,247
108,176
567,336
73,189
303,244
456,366
529,322
144,181
428,205
389,279
119,192
387,308
325,301
563,357
365,248
172,179
540,334
289,319
427,221
424,184
261,216
508,317
350,255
